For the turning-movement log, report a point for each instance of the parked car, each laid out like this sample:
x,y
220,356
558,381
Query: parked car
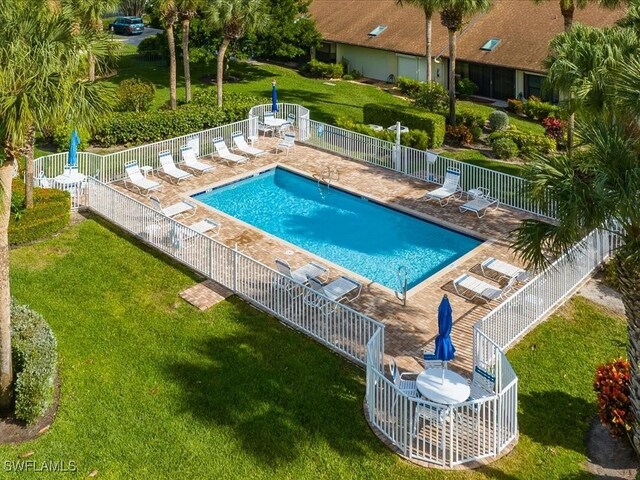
x,y
127,26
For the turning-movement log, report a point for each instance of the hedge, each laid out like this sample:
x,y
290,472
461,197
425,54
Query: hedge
x,y
136,128
50,214
527,142
414,138
34,352
432,123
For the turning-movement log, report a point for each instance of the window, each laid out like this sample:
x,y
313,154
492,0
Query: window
x,y
491,44
534,85
377,31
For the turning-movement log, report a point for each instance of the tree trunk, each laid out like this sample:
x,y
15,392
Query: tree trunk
x,y
92,66
427,16
452,76
173,102
6,367
567,9
28,150
629,279
185,59
220,70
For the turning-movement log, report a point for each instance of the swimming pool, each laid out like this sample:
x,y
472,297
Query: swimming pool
x,y
358,234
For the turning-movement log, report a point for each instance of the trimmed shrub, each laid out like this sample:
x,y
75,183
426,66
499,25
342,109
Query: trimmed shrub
x,y
408,86
536,109
324,70
476,132
135,128
555,128
61,136
611,384
50,214
135,95
346,76
34,351
458,135
433,97
470,119
505,148
498,120
515,106
466,87
432,123
414,138
528,143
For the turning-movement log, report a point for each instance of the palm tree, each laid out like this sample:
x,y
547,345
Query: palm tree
x,y
429,7
188,9
40,62
169,13
568,8
452,15
235,19
599,183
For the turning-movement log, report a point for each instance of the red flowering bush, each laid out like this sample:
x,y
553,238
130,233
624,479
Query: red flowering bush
x,y
554,128
611,385
458,135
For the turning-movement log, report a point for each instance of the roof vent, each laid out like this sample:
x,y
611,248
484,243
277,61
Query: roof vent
x,y
491,44
377,31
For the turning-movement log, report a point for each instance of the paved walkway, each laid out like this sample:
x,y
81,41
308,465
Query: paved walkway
x,y
410,329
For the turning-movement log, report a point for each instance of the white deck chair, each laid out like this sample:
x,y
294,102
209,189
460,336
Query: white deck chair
x,y
223,152
479,205
41,180
169,167
408,387
302,274
287,143
242,145
450,188
136,179
183,208
183,233
190,160
504,269
340,289
466,283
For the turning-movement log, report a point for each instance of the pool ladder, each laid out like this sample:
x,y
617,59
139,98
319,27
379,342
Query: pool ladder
x,y
328,175
403,275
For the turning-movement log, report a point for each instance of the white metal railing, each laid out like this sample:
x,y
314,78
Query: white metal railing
x,y
337,326
300,114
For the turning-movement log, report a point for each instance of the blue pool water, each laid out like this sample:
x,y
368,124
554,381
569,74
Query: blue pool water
x,y
360,235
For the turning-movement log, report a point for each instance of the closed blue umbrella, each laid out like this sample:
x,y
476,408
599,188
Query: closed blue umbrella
x,y
445,350
274,97
72,159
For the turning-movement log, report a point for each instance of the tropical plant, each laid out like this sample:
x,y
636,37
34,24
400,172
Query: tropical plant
x,y
498,120
433,97
568,8
234,19
168,11
132,8
188,9
429,7
611,384
452,15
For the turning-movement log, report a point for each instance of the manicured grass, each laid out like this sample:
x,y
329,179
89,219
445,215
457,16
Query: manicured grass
x,y
522,123
153,388
477,158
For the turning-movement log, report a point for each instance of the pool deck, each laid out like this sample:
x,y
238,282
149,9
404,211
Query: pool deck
x,y
410,329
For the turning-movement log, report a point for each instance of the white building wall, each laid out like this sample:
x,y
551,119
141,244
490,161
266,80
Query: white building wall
x,y
371,63
519,83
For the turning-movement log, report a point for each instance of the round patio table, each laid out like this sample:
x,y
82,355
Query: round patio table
x,y
453,389
70,179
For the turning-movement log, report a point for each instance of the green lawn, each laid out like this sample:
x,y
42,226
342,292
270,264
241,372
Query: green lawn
x,y
522,123
153,388
477,158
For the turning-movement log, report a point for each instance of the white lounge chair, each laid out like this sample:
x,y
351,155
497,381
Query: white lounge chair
x,y
470,287
183,233
242,145
450,187
340,289
301,275
223,152
287,143
504,269
190,160
136,179
169,168
479,205
183,208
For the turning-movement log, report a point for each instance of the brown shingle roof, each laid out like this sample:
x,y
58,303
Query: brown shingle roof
x,y
524,27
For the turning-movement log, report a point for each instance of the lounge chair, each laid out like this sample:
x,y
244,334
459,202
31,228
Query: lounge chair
x,y
183,208
223,152
450,188
301,275
470,287
340,289
287,143
479,205
241,144
136,179
504,269
190,160
169,168
183,233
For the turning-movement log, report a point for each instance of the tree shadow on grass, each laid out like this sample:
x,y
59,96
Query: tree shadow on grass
x,y
278,392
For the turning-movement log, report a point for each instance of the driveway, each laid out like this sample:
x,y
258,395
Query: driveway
x,y
136,39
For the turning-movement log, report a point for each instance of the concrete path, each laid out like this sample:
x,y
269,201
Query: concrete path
x,y
136,39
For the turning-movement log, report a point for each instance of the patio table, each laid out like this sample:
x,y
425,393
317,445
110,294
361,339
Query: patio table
x,y
70,180
454,389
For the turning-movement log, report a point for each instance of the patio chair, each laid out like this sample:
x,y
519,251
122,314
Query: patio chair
x,y
450,188
287,143
480,205
429,414
242,145
479,288
503,269
41,180
291,119
285,129
183,233
406,386
483,384
190,160
169,168
182,208
303,274
264,129
137,180
327,297
223,152
431,361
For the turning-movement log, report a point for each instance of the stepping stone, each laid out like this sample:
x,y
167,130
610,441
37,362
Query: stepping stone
x,y
205,295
